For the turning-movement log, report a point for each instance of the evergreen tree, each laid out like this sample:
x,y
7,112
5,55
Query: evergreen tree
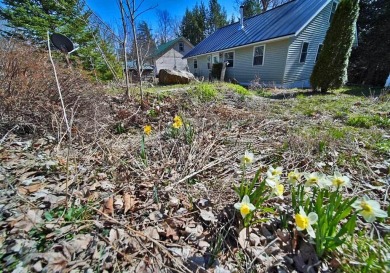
x,y
330,71
216,16
33,18
146,42
194,24
370,61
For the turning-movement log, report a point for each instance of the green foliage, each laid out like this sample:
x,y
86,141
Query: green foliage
x,y
194,24
257,191
366,255
370,61
383,146
330,71
142,151
205,92
367,121
239,89
216,16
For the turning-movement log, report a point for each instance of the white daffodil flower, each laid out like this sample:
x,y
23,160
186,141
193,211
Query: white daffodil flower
x,y
276,186
339,180
317,179
369,209
247,158
304,221
272,172
294,177
245,207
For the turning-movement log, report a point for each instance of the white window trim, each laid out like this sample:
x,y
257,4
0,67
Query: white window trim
x,y
316,58
253,55
234,57
330,14
209,61
307,53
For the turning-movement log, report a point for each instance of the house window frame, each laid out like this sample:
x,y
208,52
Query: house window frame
x,y
195,63
224,58
318,52
253,58
307,52
181,46
213,56
209,61
332,12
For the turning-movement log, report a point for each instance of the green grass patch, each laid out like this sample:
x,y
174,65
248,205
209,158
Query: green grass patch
x,y
367,121
205,92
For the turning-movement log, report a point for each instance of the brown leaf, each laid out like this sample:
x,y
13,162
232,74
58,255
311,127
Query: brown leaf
x,y
129,202
109,206
171,232
30,189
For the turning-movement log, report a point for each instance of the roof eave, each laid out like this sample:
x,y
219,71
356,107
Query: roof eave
x,y
312,18
246,45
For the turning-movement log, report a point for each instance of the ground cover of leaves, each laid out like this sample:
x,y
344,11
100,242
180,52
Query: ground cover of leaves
x,y
172,211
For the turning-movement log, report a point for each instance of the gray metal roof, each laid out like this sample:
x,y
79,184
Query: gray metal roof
x,y
281,21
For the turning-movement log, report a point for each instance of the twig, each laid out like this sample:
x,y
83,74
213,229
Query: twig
x,y
5,136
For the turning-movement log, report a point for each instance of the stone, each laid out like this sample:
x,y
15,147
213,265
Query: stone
x,y
168,76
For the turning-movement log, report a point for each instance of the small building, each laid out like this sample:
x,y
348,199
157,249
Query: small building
x,y
146,71
170,55
277,47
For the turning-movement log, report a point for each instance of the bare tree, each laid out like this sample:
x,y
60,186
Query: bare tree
x,y
124,47
131,11
165,29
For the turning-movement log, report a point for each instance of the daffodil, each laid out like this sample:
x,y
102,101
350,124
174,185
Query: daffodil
x,y
316,179
272,172
245,207
339,180
177,122
369,209
294,177
276,186
304,221
247,158
147,129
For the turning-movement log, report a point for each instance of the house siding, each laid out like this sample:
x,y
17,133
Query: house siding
x,y
270,72
297,73
173,58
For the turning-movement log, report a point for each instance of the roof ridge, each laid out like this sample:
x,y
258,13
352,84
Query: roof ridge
x,y
289,2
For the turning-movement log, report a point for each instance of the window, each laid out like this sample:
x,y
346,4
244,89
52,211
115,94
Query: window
x,y
215,58
209,62
195,63
258,55
181,46
229,57
334,7
318,51
305,46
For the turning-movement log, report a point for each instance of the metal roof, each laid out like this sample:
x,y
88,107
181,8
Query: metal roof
x,y
284,20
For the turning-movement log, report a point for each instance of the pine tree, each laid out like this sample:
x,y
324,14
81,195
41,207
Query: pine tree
x,y
330,71
370,61
216,16
33,18
194,24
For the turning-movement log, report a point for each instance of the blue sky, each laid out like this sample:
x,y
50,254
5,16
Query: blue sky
x,y
108,10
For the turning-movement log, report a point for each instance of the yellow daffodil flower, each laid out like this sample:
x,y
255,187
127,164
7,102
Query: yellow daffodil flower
x,y
316,179
245,207
272,172
247,158
177,122
147,129
294,177
369,209
304,221
339,180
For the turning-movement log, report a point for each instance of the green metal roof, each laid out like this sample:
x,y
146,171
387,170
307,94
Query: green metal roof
x,y
161,49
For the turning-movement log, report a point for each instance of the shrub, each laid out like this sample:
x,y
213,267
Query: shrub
x,y
330,71
216,70
205,92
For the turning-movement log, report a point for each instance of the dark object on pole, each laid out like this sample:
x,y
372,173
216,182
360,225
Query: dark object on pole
x,y
62,43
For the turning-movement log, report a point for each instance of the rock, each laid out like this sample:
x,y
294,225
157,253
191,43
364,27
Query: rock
x,y
168,76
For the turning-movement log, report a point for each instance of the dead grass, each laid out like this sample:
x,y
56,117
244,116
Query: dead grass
x,y
175,213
